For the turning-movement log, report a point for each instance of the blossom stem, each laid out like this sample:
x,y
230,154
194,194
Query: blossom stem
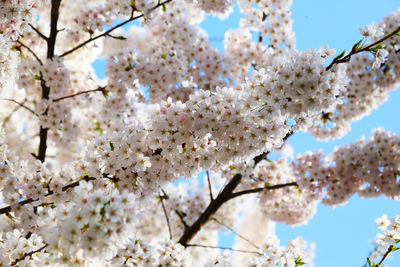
x,y
162,197
38,32
30,51
8,209
28,255
100,89
236,233
106,33
21,104
347,57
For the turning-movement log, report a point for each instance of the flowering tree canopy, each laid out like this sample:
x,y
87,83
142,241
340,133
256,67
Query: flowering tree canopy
x,y
88,166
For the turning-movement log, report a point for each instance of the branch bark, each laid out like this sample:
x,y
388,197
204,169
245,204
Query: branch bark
x,y
51,44
214,205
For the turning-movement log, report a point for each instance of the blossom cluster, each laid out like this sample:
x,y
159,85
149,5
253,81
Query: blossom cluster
x,y
368,168
172,106
371,79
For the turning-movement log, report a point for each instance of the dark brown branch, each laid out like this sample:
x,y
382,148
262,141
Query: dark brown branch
x,y
386,254
100,89
51,44
91,39
28,255
31,51
214,205
264,155
38,32
257,190
209,186
180,215
51,41
21,105
228,248
355,50
30,200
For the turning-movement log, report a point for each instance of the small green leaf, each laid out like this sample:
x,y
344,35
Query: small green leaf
x,y
298,261
133,2
397,34
85,227
98,128
393,248
379,46
120,37
357,46
164,8
112,146
339,56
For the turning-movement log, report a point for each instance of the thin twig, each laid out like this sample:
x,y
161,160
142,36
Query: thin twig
x,y
236,233
31,51
262,156
28,255
38,32
228,248
100,89
257,190
8,209
209,185
91,39
364,49
21,105
166,215
6,119
182,219
386,254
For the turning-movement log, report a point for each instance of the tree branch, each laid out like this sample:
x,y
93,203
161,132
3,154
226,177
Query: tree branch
x,y
91,39
182,219
264,155
30,200
236,233
100,89
231,249
31,51
209,186
51,43
21,105
162,197
356,50
38,32
6,119
257,190
214,205
28,255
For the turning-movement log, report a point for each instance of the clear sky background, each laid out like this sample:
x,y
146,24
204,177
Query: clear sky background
x,y
342,235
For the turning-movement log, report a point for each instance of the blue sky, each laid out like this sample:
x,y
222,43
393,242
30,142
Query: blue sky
x,y
342,235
